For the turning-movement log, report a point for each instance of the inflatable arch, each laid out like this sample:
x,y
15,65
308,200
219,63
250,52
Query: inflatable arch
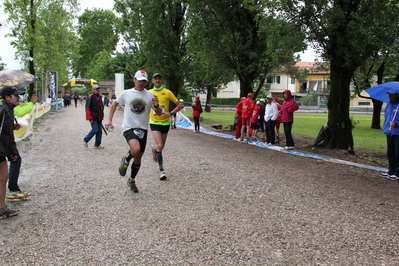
x,y
74,81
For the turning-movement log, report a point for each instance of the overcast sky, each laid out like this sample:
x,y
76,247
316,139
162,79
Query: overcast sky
x,y
7,52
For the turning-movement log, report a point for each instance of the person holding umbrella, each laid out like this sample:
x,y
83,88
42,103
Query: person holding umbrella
x,y
8,146
391,130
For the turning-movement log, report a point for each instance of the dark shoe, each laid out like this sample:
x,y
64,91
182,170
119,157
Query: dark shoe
x,y
132,185
123,166
393,177
7,212
383,174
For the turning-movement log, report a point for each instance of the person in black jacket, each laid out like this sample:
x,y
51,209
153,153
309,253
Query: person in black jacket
x,y
262,123
95,115
8,146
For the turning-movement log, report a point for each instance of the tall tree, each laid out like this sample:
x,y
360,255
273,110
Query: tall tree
x,y
380,68
97,32
38,27
347,33
156,31
241,36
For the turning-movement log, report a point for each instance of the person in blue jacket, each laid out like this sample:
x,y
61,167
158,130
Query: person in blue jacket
x,y
391,130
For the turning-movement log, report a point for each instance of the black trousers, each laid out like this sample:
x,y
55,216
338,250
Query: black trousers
x,y
288,135
270,134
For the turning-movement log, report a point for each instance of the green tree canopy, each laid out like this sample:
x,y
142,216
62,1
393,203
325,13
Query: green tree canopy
x,y
347,33
156,33
42,31
97,32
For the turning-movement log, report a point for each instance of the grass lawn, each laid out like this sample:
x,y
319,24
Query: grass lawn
x,y
309,125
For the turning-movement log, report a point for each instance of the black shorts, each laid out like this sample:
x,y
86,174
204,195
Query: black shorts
x,y
2,159
134,133
164,129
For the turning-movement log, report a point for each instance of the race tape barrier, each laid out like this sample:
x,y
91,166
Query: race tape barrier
x,y
184,122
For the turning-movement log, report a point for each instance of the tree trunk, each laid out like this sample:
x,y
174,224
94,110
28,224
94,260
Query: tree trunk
x,y
339,122
376,120
208,99
245,87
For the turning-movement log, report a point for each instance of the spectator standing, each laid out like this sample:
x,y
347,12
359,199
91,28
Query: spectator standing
x,y
67,100
160,124
271,113
262,124
138,103
255,121
8,146
237,118
391,130
75,98
15,165
287,118
95,115
278,120
197,110
247,108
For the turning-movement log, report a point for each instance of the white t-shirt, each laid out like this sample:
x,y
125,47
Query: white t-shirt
x,y
138,105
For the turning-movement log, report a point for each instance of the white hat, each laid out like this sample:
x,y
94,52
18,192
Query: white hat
x,y
262,100
257,102
141,75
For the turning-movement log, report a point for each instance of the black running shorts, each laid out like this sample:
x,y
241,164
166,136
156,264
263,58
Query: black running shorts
x,y
139,134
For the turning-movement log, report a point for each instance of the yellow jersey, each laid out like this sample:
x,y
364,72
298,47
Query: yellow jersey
x,y
164,97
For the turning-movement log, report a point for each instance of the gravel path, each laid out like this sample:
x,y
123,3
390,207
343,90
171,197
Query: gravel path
x,y
224,203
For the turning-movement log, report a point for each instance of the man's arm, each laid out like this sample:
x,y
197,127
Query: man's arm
x,y
111,114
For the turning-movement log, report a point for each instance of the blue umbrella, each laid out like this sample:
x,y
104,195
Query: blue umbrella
x,y
380,92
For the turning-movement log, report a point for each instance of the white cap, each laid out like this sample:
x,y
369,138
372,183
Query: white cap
x,y
141,75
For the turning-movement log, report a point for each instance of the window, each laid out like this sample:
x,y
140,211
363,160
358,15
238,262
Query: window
x,y
278,79
292,80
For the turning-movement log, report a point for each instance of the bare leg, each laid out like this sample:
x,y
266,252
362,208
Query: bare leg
x,y
3,183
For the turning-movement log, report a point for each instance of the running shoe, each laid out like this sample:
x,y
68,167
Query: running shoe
x,y
162,175
7,212
85,144
393,177
384,174
123,166
98,147
132,185
154,155
18,194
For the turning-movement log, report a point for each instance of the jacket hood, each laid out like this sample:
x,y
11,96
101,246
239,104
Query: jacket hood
x,y
288,92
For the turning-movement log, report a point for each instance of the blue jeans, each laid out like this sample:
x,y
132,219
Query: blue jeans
x,y
393,154
13,172
96,129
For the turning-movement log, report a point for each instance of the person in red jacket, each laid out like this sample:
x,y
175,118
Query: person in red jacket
x,y
278,120
95,115
247,108
237,118
197,110
255,121
287,118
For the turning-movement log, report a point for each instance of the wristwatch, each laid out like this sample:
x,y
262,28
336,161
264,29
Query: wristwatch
x,y
172,113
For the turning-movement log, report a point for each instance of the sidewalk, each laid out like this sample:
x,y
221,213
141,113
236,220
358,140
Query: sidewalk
x,y
224,203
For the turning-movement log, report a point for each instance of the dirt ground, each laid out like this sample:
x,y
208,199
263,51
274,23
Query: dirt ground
x,y
224,203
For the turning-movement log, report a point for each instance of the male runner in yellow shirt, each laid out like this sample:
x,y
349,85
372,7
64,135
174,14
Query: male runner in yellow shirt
x,y
160,124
